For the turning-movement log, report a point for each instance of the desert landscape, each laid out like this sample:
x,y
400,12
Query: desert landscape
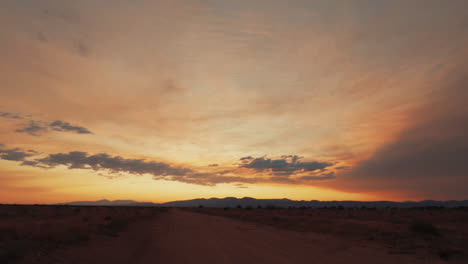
x,y
233,132
100,234
36,231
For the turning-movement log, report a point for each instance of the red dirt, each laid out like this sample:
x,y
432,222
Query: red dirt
x,y
183,236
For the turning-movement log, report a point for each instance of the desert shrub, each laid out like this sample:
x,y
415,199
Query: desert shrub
x,y
118,224
423,227
448,253
114,227
13,250
8,233
443,254
78,235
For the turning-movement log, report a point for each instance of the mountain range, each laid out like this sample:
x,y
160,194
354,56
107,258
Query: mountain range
x,y
248,202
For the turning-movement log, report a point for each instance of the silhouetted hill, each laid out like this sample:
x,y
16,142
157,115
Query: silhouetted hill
x,y
245,202
110,203
284,203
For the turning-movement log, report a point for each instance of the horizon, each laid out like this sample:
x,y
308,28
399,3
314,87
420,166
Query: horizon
x,y
237,198
171,100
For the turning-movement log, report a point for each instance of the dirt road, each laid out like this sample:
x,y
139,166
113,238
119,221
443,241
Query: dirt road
x,y
180,236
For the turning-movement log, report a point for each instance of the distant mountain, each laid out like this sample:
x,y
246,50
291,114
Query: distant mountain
x,y
110,203
245,202
285,203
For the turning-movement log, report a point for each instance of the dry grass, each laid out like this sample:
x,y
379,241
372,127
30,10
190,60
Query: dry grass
x,y
26,229
441,232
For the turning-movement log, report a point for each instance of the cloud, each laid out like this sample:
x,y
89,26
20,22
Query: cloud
x,y
117,165
285,166
35,128
212,179
241,186
82,160
31,163
14,154
430,157
213,165
10,115
67,127
327,176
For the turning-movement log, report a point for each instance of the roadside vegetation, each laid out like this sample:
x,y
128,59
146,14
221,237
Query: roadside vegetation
x,y
29,229
443,233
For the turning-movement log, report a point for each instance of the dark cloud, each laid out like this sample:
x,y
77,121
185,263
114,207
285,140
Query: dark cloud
x,y
117,165
31,163
67,127
285,166
14,154
10,115
213,165
33,128
293,158
429,158
82,160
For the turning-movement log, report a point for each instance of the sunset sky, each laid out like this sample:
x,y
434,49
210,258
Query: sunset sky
x,y
161,100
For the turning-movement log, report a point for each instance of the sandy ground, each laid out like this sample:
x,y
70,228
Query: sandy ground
x,y
181,236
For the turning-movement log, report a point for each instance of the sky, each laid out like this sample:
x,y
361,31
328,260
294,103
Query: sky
x,y
170,100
